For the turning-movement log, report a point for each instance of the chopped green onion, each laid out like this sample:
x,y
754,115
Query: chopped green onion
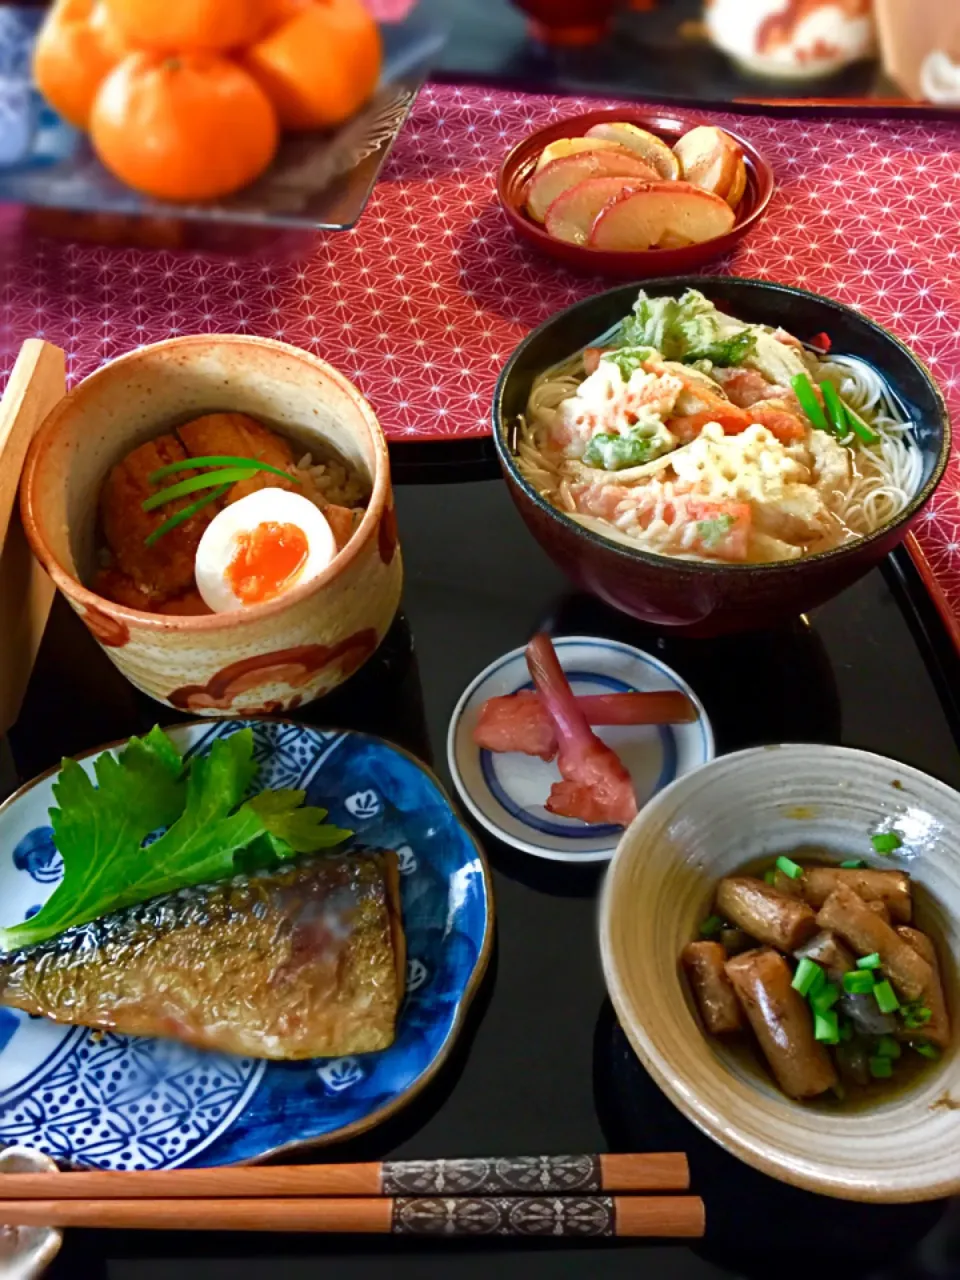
x,y
218,460
711,927
208,480
858,426
846,1031
915,1015
885,997
770,877
852,864
826,1027
926,1050
871,961
880,1068
858,982
886,842
825,998
803,390
887,1047
808,972
179,517
835,408
789,868
839,1092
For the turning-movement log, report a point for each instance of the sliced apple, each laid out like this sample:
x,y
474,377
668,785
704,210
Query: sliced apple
x,y
575,210
651,149
710,159
660,214
736,192
570,147
560,175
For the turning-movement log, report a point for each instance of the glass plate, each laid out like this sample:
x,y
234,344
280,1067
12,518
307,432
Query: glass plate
x,y
317,182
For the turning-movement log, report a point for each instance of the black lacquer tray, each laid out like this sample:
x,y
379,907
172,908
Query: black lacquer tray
x,y
542,1067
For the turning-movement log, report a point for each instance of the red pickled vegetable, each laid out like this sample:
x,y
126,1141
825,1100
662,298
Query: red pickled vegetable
x,y
595,787
821,342
519,721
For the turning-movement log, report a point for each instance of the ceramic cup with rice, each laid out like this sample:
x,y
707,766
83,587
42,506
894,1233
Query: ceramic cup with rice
x,y
267,659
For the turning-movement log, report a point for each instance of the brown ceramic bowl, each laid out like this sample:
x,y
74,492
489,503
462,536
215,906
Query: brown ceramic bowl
x,y
263,660
711,598
518,167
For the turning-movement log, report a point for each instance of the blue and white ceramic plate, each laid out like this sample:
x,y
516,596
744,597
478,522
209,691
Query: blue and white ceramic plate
x,y
119,1102
506,792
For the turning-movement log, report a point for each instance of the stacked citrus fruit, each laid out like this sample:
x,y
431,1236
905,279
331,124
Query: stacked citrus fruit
x,y
186,99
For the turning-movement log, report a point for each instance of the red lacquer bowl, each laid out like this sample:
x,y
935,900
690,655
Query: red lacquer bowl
x,y
518,167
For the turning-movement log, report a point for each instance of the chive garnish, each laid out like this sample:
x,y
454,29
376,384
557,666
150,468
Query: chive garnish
x,y
208,480
858,982
218,460
789,868
179,517
871,961
808,972
825,998
886,999
826,1027
915,1015
858,426
835,408
770,876
852,864
803,390
926,1050
880,1068
711,927
887,1047
885,842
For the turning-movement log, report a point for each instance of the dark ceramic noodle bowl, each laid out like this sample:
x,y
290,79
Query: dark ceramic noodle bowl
x,y
707,597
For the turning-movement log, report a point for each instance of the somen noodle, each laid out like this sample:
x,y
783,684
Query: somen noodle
x,y
686,432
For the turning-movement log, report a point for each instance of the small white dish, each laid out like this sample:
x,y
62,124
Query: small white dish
x,y
26,1252
506,792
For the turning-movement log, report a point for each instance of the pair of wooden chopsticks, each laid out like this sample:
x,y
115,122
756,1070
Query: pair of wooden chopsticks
x,y
517,1196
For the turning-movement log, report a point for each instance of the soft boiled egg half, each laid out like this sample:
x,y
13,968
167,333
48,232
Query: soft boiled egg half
x,y
261,546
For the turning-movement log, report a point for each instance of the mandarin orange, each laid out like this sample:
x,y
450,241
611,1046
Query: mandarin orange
x,y
189,25
320,66
77,46
192,126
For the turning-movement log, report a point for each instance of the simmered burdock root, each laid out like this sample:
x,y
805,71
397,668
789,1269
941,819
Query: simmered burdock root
x,y
704,964
937,1029
848,915
156,573
892,888
770,917
782,1023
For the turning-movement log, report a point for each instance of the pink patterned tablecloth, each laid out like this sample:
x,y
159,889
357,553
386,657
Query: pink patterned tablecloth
x,y
424,300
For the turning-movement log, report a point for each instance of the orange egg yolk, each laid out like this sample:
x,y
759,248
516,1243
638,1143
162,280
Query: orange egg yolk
x,y
268,560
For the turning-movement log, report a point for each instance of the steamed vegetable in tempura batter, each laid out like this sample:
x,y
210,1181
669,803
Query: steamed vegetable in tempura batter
x,y
687,432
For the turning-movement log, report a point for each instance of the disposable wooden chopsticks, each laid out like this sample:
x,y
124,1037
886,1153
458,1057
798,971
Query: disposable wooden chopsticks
x,y
538,1196
515,1175
554,1216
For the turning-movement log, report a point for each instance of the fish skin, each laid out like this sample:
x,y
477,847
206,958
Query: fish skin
x,y
300,962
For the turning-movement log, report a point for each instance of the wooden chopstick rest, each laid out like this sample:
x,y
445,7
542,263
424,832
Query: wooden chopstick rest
x,y
505,1176
595,1216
